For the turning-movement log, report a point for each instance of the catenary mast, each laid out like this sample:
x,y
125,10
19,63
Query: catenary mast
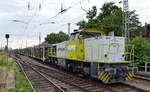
x,y
126,32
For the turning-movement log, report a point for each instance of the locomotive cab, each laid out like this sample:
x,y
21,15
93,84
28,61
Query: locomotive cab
x,y
87,33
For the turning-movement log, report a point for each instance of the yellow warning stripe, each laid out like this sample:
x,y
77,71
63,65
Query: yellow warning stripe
x,y
99,77
103,76
106,78
130,74
129,77
126,76
99,73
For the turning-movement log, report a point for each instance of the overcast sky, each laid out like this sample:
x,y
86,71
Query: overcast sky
x,y
27,30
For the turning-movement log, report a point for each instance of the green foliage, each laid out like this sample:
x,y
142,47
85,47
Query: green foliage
x,y
5,61
21,83
110,19
138,31
92,13
142,50
56,37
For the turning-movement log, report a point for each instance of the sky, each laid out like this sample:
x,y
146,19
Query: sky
x,y
34,20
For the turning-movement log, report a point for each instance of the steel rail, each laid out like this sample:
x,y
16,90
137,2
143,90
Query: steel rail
x,y
25,63
132,85
21,67
75,85
144,89
142,78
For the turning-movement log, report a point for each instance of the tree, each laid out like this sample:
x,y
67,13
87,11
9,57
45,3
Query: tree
x,y
142,48
56,37
110,19
91,14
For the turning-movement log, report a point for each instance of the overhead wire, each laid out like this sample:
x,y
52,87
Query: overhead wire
x,y
74,18
31,13
29,10
62,25
26,14
39,8
65,24
35,14
71,6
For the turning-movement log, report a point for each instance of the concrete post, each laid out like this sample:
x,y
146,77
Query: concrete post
x,y
145,66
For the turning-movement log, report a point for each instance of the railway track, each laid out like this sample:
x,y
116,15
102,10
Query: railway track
x,y
71,83
142,77
141,81
41,82
68,82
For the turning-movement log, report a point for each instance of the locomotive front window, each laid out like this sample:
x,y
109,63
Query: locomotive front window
x,y
72,37
84,35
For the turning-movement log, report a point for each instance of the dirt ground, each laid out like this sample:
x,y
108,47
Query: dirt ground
x,y
7,79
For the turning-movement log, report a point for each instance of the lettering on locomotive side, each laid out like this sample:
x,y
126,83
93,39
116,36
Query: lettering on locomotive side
x,y
61,49
71,47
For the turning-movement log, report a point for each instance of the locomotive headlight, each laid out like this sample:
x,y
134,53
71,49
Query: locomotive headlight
x,y
105,55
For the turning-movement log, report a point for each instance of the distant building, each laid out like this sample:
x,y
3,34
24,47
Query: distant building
x,y
147,26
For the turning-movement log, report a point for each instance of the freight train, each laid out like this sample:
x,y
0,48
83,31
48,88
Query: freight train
x,y
90,53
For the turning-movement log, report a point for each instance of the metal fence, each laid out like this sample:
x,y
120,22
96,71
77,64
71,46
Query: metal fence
x,y
145,67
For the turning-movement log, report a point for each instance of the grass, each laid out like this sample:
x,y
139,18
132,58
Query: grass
x,y
21,83
5,61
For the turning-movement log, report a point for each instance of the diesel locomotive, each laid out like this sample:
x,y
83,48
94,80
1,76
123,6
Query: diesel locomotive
x,y
90,53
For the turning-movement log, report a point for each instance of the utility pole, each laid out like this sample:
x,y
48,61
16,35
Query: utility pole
x,y
1,46
126,32
21,44
39,38
26,44
69,29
